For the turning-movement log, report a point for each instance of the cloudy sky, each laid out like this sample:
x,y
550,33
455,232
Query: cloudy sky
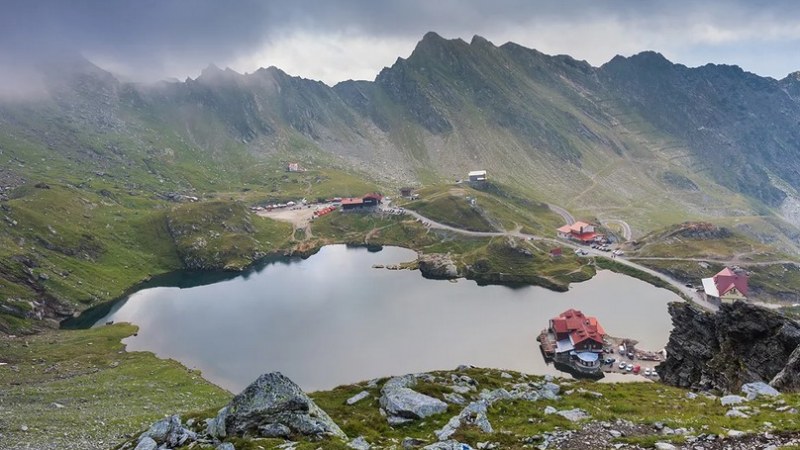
x,y
353,39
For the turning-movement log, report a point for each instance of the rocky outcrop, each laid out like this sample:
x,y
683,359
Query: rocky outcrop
x,y
168,432
788,379
274,406
739,344
401,404
437,267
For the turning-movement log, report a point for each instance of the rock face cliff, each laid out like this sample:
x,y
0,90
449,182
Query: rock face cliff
x,y
741,343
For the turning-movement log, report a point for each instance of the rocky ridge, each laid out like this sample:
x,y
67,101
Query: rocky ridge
x,y
741,343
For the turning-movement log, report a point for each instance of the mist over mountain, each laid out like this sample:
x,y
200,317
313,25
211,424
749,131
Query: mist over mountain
x,y
631,137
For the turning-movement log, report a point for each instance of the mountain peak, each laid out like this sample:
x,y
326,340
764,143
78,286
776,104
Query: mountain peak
x,y
646,59
793,77
432,36
480,41
650,58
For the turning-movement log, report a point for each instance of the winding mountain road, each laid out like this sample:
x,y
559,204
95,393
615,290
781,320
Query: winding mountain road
x,y
569,218
627,233
686,293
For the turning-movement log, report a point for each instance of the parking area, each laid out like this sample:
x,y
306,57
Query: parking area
x,y
623,357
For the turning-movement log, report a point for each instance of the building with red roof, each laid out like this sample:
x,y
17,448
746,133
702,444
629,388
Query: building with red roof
x,y
726,286
578,231
366,201
575,331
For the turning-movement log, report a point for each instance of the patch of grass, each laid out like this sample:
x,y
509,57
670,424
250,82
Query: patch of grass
x,y
453,210
220,234
73,387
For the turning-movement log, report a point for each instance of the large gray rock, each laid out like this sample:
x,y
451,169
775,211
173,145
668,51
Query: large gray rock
x,y
274,399
731,400
147,443
759,389
408,403
573,415
403,404
215,427
169,432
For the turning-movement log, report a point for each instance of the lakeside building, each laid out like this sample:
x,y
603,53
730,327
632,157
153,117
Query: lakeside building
x,y
726,286
578,231
574,340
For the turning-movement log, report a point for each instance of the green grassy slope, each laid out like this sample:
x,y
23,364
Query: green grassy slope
x,y
81,389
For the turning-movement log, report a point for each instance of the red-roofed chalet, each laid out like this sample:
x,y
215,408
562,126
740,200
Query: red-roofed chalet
x,y
584,332
578,231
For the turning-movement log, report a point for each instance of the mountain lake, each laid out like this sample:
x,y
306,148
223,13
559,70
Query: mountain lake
x,y
333,319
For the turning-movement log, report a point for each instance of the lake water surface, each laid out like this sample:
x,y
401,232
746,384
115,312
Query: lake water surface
x,y
332,319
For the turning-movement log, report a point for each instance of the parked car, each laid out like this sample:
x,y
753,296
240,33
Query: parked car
x,y
630,355
610,361
637,368
629,367
647,372
622,365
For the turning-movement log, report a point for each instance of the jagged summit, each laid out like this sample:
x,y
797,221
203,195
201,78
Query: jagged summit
x,y
480,41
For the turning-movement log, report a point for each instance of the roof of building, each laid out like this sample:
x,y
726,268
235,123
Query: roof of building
x,y
585,236
727,279
577,230
709,287
477,173
564,345
352,201
579,326
722,283
373,195
588,357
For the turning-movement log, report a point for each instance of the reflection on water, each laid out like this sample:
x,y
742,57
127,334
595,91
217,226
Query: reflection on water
x,y
332,319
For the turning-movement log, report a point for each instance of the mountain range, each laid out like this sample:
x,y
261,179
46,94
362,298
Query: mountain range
x,y
638,138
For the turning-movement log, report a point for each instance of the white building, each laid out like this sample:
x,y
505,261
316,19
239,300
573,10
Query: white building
x,y
477,175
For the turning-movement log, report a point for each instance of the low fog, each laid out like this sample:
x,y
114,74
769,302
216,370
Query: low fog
x,y
154,40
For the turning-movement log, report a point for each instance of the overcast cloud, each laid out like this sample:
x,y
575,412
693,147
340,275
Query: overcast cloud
x,y
353,39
